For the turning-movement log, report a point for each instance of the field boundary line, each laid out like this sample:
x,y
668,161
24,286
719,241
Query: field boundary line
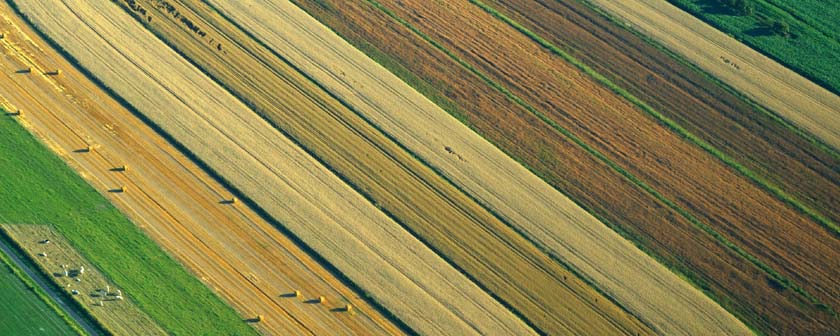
x,y
775,276
780,194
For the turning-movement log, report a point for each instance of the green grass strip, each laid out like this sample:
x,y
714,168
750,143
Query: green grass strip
x,y
39,292
674,126
772,274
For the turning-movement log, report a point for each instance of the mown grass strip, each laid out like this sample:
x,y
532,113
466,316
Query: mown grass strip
x,y
772,274
42,296
668,122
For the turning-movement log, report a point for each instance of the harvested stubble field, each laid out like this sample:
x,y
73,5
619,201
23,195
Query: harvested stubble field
x,y
542,214
730,278
292,187
769,83
41,189
245,259
492,254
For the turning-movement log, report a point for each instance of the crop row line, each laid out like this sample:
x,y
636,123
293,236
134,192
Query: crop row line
x,y
597,154
694,139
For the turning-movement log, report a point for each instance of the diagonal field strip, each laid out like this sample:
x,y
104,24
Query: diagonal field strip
x,y
530,283
314,204
547,217
51,312
592,151
694,139
734,164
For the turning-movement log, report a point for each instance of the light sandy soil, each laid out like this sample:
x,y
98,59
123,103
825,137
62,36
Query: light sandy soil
x,y
366,246
546,216
120,316
246,260
769,83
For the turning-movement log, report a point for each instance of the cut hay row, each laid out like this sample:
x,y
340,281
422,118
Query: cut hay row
x,y
245,259
783,91
537,288
544,215
291,186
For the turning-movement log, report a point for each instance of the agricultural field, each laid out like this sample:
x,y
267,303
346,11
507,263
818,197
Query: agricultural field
x,y
121,251
641,211
24,312
390,167
806,41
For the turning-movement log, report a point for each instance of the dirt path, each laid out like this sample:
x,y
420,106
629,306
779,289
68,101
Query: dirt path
x,y
795,98
545,215
313,203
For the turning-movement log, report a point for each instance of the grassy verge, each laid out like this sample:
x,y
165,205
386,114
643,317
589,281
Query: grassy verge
x,y
808,50
23,314
42,189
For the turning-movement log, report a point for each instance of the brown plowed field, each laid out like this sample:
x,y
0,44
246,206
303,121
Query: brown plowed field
x,y
704,108
493,254
740,286
243,258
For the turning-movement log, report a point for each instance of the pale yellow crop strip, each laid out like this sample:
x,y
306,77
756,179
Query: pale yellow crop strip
x,y
359,240
546,216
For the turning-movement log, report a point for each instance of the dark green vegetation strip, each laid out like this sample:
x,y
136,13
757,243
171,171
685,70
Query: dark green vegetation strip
x,y
674,126
772,274
811,48
38,187
26,309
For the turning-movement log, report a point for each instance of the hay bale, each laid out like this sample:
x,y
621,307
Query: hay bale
x,y
321,300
